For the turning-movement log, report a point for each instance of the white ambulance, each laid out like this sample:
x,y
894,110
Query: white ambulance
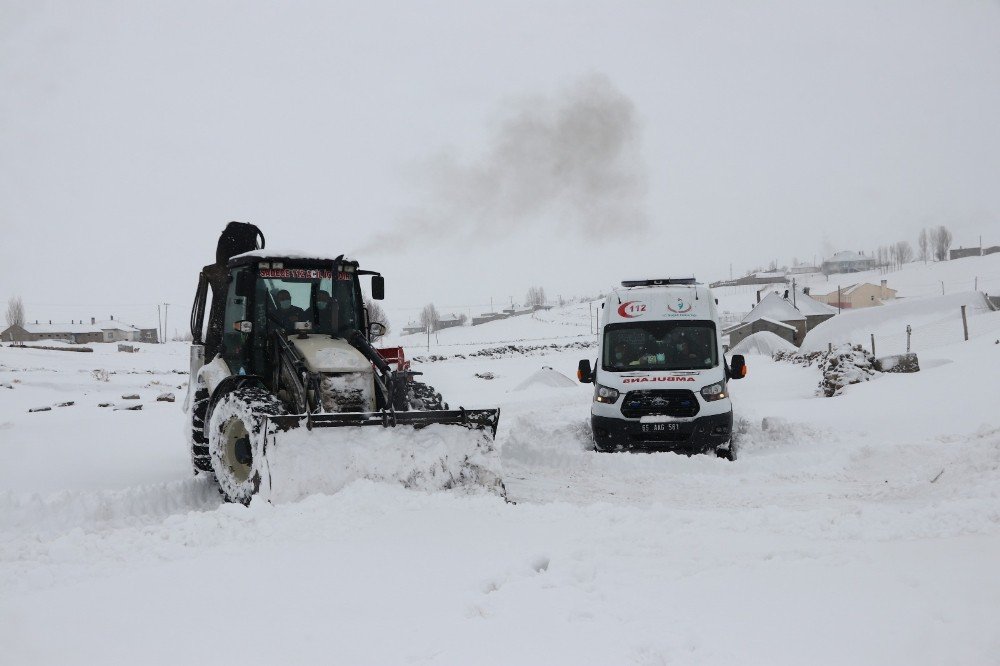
x,y
660,379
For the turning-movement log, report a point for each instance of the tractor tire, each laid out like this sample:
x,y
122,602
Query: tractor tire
x,y
235,432
422,396
200,459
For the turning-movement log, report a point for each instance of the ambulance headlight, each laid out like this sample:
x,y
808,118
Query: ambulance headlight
x,y
605,394
716,391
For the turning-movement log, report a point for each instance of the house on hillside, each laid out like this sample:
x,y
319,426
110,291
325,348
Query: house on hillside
x,y
861,295
759,278
786,315
148,335
963,252
846,261
413,327
449,321
815,312
488,317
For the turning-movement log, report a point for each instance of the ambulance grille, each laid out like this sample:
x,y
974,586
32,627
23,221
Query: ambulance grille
x,y
665,402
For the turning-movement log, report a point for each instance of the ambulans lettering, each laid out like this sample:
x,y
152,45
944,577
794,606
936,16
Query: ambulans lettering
x,y
637,380
632,309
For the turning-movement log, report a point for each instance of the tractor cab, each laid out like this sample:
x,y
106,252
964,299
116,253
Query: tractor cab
x,y
271,299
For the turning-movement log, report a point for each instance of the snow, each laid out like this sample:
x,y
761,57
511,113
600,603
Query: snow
x,y
933,321
546,377
774,308
280,253
913,280
762,342
862,529
302,462
808,305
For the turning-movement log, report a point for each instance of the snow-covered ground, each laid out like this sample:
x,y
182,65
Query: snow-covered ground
x,y
912,281
860,529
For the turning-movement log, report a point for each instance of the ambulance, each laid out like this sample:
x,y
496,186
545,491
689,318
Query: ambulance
x,y
661,381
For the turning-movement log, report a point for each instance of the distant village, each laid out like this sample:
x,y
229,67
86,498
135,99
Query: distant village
x,y
79,332
790,311
452,320
782,307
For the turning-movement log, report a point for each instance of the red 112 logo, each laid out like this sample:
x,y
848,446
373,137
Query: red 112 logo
x,y
631,309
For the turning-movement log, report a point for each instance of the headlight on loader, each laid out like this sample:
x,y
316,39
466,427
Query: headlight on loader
x,y
605,394
716,391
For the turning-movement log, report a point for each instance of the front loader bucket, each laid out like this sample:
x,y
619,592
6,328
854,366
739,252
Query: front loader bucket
x,y
300,455
476,419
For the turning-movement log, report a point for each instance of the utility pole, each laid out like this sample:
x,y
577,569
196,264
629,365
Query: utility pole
x,y
166,309
839,303
159,322
794,303
965,324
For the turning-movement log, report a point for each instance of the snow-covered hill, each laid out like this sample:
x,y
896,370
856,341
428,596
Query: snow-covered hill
x,y
859,529
913,280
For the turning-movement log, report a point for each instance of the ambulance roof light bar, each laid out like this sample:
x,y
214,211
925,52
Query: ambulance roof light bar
x,y
660,282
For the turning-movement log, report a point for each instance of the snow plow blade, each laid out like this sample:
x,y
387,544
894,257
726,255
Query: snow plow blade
x,y
479,419
301,455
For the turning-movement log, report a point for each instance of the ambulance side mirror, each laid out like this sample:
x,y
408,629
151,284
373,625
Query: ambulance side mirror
x,y
737,367
584,373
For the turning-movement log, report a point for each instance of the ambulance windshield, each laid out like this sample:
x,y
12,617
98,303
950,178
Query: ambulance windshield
x,y
660,345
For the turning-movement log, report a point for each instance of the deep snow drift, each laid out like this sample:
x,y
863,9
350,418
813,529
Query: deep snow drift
x,y
861,529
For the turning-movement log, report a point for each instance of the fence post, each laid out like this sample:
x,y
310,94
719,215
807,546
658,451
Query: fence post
x,y
908,331
873,344
965,324
829,348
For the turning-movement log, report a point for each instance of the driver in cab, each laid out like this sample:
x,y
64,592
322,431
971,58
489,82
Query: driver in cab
x,y
287,313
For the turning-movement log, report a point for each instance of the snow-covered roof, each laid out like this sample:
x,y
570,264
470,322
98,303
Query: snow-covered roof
x,y
767,319
848,255
288,253
78,327
809,306
449,317
776,322
848,290
775,308
61,328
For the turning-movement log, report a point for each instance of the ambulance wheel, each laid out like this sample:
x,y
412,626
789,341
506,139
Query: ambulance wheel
x,y
727,452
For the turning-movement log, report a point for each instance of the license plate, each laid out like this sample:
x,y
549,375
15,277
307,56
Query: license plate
x,y
660,427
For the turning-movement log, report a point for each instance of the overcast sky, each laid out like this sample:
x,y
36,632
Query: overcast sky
x,y
470,150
